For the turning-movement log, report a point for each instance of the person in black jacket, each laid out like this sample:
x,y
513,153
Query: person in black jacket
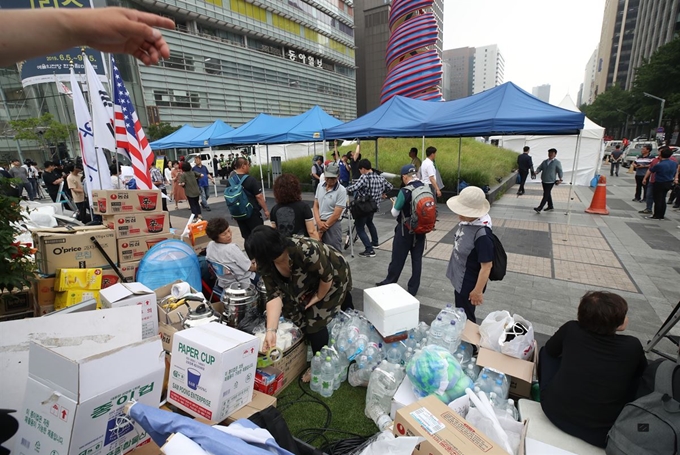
x,y
524,165
588,373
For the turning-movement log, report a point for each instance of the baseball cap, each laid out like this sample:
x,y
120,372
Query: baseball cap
x,y
408,169
332,171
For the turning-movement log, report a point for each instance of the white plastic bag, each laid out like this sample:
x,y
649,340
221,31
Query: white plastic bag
x,y
492,329
387,444
520,346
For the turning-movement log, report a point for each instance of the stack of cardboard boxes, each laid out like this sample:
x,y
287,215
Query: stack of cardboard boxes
x,y
73,286
138,223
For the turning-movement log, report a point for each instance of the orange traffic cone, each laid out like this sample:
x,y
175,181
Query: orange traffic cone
x,y
598,205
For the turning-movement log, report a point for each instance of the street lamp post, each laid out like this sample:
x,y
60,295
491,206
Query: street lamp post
x,y
663,103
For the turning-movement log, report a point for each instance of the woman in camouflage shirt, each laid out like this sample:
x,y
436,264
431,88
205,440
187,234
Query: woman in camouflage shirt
x,y
306,282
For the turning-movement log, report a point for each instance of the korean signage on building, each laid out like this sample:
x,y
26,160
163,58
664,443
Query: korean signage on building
x,y
55,66
304,59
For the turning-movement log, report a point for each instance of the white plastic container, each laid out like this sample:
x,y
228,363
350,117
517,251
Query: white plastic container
x,y
391,309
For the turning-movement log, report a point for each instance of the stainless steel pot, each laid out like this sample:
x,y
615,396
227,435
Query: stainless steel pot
x,y
262,295
202,314
238,301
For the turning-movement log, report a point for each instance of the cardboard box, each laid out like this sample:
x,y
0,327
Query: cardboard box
x,y
391,309
199,245
66,299
128,225
73,401
293,363
196,231
269,380
15,302
71,248
42,310
85,279
129,294
129,270
445,432
107,202
134,249
213,370
259,402
520,372
43,291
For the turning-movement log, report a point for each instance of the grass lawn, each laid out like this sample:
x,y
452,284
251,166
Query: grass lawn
x,y
481,164
345,411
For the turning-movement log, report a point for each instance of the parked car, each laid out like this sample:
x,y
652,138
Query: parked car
x,y
634,150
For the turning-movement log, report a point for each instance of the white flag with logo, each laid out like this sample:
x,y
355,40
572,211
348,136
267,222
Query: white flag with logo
x,y
96,168
102,110
62,88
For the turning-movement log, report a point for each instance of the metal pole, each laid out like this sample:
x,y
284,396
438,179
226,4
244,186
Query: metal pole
x,y
269,171
571,186
663,104
212,162
422,150
259,160
460,148
376,153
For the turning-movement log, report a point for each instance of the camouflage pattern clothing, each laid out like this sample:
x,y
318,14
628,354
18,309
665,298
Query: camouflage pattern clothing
x,y
310,263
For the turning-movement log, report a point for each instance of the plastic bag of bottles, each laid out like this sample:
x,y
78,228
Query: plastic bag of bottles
x,y
383,384
434,370
287,334
492,381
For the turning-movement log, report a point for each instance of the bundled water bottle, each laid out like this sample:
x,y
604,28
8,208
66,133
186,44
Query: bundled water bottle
x,y
383,384
470,371
463,354
408,355
511,410
436,333
410,342
492,381
358,375
315,382
451,338
483,382
394,354
327,378
421,331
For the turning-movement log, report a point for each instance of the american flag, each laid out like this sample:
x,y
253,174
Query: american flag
x,y
129,133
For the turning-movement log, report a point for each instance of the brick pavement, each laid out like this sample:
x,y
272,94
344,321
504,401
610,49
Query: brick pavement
x,y
554,258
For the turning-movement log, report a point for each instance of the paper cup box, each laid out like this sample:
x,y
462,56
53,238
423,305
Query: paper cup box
x,y
73,403
212,373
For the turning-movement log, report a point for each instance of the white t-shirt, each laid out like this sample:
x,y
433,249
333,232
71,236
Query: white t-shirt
x,y
168,175
426,170
234,264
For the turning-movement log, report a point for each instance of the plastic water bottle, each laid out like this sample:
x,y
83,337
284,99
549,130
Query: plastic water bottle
x,y
511,409
436,331
394,354
484,383
451,338
358,375
410,341
470,371
382,386
315,382
360,344
408,355
327,378
310,354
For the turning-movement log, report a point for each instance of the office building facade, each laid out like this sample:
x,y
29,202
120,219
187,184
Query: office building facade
x,y
458,72
616,44
489,68
658,22
589,79
230,60
542,92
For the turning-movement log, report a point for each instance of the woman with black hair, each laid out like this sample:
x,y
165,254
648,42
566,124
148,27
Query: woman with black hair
x,y
306,282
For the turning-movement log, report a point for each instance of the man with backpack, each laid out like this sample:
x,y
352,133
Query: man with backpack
x,y
416,213
244,198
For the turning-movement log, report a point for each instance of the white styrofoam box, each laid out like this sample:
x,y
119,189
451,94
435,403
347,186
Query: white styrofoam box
x,y
74,401
403,397
391,309
212,370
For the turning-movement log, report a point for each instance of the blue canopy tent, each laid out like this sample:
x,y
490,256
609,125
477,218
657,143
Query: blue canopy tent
x,y
267,129
176,139
190,137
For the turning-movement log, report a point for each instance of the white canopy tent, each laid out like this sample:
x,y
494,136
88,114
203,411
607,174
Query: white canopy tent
x,y
584,160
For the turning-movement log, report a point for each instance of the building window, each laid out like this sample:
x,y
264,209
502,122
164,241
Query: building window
x,y
179,61
213,66
177,98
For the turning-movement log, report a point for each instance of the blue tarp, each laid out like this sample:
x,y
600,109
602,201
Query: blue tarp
x,y
191,137
503,110
267,129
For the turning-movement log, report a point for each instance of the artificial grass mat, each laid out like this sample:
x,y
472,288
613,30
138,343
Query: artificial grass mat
x,y
346,413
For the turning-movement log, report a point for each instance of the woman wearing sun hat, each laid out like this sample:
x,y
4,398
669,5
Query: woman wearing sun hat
x,y
472,255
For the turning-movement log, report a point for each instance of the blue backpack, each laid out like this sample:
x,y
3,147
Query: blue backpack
x,y
237,198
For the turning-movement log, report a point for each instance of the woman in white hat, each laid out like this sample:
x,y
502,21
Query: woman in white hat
x,y
473,249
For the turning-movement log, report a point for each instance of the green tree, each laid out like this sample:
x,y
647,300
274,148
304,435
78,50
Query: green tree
x,y
612,108
45,130
659,76
160,130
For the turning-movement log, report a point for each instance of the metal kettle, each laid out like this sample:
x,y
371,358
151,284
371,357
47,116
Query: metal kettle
x,y
201,315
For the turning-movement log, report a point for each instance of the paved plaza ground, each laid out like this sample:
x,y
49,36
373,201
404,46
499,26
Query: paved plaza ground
x,y
553,257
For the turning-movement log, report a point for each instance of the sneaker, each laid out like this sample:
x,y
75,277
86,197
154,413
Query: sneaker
x,y
645,211
548,209
367,254
380,283
537,209
208,209
636,200
653,218
376,244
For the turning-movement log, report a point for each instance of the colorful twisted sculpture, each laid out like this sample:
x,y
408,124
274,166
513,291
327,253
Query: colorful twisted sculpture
x,y
414,69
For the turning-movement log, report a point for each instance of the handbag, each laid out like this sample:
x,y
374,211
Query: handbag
x,y
362,206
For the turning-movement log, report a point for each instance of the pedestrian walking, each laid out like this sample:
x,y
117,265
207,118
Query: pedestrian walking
x,y
641,165
551,170
524,165
253,191
203,182
615,161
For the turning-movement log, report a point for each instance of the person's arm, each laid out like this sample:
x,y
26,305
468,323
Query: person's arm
x,y
340,206
263,204
274,308
677,175
560,174
387,186
357,151
531,166
32,33
477,294
78,189
336,157
317,217
398,204
357,185
648,174
311,229
320,294
433,182
313,173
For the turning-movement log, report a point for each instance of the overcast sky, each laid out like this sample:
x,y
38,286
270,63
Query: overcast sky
x,y
542,41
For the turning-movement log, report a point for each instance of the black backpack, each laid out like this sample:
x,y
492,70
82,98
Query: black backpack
x,y
500,259
649,425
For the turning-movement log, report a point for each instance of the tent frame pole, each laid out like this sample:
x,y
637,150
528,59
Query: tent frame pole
x,y
269,171
460,148
212,156
422,150
376,153
259,160
577,152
